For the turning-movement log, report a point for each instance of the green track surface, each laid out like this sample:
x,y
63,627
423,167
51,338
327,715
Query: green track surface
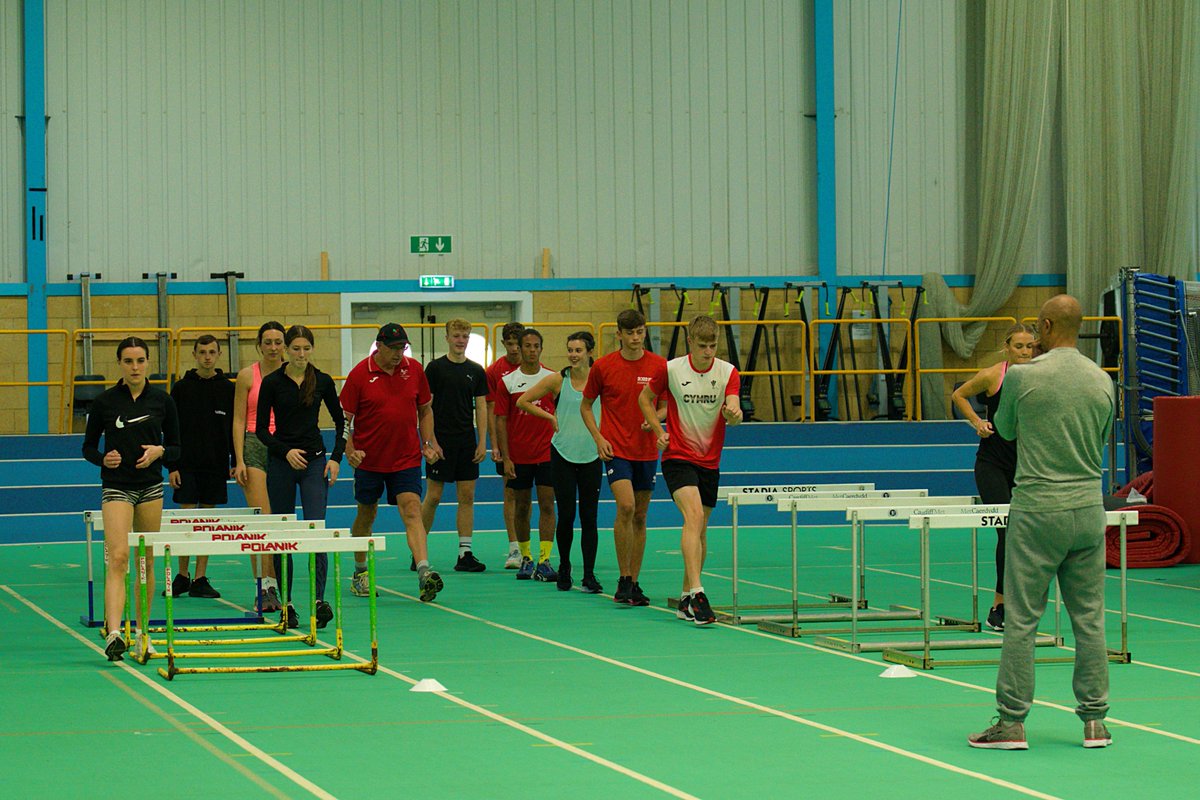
x,y
554,694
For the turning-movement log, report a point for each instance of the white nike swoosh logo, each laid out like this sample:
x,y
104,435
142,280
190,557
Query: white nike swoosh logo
x,y
121,423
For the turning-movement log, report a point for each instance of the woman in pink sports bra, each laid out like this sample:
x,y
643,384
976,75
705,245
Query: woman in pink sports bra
x,y
996,459
250,453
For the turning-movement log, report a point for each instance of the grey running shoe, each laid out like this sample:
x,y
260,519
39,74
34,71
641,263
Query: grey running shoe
x,y
526,570
684,609
513,561
114,646
270,600
544,572
995,618
467,562
1095,734
202,588
360,584
1001,736
430,584
143,655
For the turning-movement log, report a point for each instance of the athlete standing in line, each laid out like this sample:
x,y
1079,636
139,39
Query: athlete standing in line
x,y
140,427
298,461
459,388
386,397
576,466
204,397
524,442
702,398
626,444
511,360
250,454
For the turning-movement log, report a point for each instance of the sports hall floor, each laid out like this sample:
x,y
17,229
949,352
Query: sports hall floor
x,y
568,695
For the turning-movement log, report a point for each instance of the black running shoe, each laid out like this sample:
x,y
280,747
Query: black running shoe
x,y
202,588
180,585
114,646
467,562
684,609
995,618
702,613
324,613
624,586
293,621
636,596
564,578
589,585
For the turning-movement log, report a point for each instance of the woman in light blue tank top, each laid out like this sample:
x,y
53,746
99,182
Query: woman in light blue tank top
x,y
573,458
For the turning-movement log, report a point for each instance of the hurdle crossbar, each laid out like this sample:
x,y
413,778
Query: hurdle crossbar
x,y
338,542
901,652
737,496
809,497
141,540
93,522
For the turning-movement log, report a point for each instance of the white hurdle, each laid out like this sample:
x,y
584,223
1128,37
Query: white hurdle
x,y
93,522
822,499
737,496
334,541
898,652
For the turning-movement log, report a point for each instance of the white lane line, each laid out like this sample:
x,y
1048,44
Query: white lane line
x,y
283,769
512,723
942,679
741,701
229,760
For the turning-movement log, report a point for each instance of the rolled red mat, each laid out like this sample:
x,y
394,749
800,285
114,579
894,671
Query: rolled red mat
x,y
1176,440
1144,483
1160,539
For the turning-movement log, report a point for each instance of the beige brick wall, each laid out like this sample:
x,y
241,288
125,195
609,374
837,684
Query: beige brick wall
x,y
557,313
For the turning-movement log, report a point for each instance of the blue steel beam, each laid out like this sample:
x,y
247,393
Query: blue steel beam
x,y
34,66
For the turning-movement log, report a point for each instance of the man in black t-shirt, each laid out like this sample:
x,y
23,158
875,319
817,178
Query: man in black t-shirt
x,y
459,387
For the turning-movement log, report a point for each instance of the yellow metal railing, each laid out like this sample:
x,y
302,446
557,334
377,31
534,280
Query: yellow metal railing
x,y
117,334
919,371
905,325
62,383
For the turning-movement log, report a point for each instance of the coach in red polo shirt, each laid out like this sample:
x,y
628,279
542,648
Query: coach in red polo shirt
x,y
390,427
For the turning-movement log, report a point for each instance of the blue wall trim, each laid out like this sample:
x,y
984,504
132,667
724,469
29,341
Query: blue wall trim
x,y
34,67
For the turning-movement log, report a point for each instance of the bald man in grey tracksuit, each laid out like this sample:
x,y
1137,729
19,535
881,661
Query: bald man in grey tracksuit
x,y
1059,408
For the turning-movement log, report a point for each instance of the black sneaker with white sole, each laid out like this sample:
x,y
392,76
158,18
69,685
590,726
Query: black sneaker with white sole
x,y
702,613
293,621
995,617
467,562
180,585
589,585
114,646
684,609
202,588
636,596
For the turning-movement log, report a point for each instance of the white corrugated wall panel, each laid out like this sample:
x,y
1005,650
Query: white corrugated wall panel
x,y
630,138
927,159
12,153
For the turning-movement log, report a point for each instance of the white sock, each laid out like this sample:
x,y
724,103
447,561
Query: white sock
x,y
464,545
695,591
269,583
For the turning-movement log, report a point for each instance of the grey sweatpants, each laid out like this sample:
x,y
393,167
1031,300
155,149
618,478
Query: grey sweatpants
x,y
1041,545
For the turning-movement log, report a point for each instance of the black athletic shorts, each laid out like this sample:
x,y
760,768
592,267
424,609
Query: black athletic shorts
x,y
457,463
678,474
202,488
529,474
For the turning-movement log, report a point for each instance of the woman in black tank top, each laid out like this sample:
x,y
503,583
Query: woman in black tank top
x,y
996,459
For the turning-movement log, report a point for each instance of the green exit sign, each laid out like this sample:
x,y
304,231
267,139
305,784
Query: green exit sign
x,y
437,281
429,245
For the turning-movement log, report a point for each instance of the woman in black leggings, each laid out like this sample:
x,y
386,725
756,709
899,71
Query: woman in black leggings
x,y
996,459
577,468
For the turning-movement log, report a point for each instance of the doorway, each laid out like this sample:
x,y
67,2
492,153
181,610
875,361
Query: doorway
x,y
480,308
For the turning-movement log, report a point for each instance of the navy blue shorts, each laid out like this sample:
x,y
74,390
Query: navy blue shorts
x,y
369,486
640,473
529,474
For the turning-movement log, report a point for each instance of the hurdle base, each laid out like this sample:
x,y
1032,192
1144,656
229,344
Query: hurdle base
x,y
1120,656
370,668
848,601
918,645
790,625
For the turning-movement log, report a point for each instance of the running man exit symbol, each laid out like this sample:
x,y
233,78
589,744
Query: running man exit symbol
x,y
429,245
